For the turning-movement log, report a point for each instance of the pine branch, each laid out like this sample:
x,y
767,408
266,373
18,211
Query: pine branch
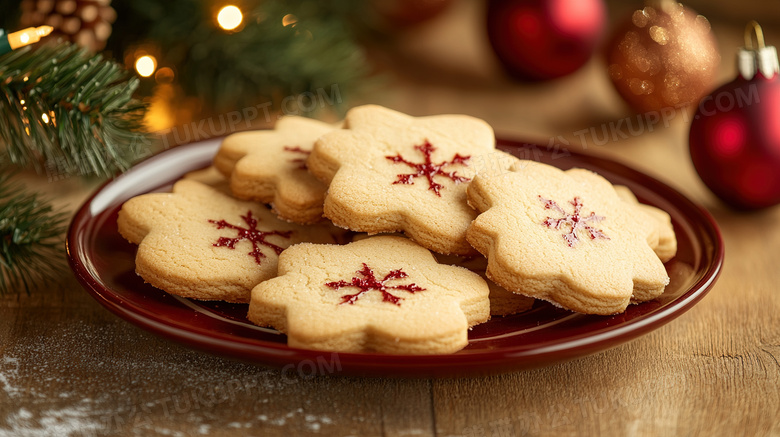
x,y
31,239
68,112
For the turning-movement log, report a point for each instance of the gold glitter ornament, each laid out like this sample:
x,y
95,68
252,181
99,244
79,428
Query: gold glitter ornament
x,y
664,56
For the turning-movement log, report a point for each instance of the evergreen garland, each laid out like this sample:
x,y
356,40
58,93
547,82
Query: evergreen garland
x,y
68,112
31,239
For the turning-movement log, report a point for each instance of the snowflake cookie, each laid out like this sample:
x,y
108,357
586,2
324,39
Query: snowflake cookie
x,y
200,243
270,166
390,172
383,294
661,238
565,237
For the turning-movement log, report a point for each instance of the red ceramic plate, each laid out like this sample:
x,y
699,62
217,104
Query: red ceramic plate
x,y
104,264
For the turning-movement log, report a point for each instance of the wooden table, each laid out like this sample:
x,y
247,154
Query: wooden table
x,y
69,366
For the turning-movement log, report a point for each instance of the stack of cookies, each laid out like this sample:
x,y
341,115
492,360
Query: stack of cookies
x,y
285,221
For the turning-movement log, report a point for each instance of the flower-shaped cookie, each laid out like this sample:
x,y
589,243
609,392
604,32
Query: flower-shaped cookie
x,y
270,166
200,243
564,237
382,294
390,172
663,240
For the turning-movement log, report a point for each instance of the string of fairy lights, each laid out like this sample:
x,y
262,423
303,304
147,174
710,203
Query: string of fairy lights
x,y
24,37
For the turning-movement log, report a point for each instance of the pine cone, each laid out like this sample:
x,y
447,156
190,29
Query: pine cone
x,y
84,22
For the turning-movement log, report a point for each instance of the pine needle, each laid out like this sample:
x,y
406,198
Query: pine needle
x,y
67,112
31,239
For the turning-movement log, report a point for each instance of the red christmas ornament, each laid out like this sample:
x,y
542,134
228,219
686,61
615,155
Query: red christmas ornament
x,y
544,39
735,133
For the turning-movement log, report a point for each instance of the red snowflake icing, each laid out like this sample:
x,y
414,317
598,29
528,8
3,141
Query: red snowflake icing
x,y
576,221
250,233
429,169
301,162
368,281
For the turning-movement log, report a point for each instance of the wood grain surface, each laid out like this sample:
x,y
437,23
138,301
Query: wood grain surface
x,y
69,367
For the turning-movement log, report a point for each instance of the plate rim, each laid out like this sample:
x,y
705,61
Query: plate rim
x,y
463,363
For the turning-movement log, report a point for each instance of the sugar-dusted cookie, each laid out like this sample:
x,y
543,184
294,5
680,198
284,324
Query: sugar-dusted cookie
x,y
200,243
666,243
270,166
382,294
502,301
390,172
564,237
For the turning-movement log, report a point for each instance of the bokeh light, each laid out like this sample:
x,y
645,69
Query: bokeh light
x,y
229,17
145,65
289,20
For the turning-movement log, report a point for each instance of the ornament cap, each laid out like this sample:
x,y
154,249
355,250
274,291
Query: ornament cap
x,y
767,62
746,63
760,59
